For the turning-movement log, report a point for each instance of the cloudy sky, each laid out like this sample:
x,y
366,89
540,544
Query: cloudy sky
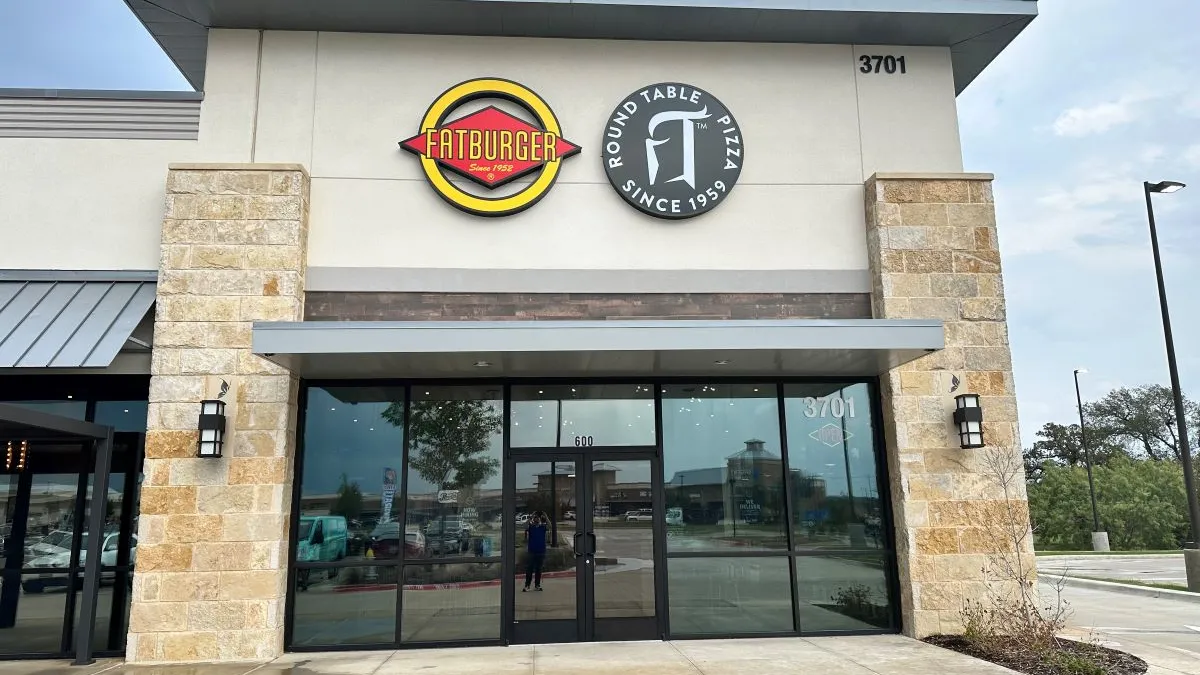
x,y
1095,97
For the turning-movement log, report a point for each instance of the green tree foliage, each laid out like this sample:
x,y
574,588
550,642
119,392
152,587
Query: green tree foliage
x,y
446,439
1142,505
1059,445
349,502
1142,419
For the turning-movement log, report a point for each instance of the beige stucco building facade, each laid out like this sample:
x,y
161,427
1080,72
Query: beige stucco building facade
x,y
314,277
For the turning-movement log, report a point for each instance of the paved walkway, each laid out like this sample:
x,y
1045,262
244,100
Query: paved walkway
x,y
873,655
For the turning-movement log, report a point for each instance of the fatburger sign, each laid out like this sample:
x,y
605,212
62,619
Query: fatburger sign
x,y
490,147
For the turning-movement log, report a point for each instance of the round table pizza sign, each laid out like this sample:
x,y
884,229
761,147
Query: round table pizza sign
x,y
672,150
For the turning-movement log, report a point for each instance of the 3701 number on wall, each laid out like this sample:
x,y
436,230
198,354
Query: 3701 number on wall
x,y
889,65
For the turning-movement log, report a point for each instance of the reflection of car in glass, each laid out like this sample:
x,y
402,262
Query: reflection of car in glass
x,y
51,544
569,515
448,535
640,515
674,516
62,560
385,541
321,539
522,518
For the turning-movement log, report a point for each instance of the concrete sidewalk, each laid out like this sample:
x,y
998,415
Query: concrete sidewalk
x,y
868,655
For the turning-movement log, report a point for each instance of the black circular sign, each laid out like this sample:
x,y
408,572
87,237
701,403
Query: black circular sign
x,y
672,150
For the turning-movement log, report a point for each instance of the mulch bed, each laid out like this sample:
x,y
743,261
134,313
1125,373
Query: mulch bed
x,y
1111,661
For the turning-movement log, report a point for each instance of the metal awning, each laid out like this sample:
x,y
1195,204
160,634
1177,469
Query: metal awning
x,y
65,322
455,349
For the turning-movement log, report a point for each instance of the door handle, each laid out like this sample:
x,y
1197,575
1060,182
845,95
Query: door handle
x,y
592,550
575,544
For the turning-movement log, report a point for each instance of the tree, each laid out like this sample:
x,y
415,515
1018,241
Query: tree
x,y
1142,419
445,439
1142,505
1059,444
349,502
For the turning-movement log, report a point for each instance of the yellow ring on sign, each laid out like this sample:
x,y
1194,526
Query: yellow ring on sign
x,y
476,89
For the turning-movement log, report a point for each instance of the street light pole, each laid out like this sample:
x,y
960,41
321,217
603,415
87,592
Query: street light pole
x,y
1191,552
1099,537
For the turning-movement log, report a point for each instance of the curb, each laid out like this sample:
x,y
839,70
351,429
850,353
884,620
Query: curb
x,y
1128,589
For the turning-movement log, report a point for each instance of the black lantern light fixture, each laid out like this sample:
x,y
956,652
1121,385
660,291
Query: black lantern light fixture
x,y
212,428
969,418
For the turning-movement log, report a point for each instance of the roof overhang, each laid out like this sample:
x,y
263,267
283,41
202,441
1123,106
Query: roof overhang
x,y
975,30
458,349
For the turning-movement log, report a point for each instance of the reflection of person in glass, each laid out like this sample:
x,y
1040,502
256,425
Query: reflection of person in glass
x,y
535,547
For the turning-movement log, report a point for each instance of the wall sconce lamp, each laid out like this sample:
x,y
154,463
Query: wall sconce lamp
x,y
969,418
212,428
15,457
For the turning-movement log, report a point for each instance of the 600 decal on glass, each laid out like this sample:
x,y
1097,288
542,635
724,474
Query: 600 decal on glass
x,y
672,150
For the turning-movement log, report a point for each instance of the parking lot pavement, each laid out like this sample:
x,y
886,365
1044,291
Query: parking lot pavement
x,y
1155,568
1163,631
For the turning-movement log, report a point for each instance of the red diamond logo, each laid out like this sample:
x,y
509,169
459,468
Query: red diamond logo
x,y
490,147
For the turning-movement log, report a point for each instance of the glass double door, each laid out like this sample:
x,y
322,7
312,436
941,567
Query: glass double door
x,y
587,535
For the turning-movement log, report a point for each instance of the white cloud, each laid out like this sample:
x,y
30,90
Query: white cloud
x,y
1076,122
1152,154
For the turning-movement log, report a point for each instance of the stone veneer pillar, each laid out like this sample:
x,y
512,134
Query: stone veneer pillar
x,y
933,254
212,535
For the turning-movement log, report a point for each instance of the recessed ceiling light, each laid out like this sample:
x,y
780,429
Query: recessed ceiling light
x,y
355,421
722,362
483,364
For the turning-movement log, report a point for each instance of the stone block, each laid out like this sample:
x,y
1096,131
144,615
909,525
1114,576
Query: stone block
x,y
983,309
216,556
184,587
284,283
980,192
253,527
189,529
224,498
196,471
286,233
273,207
990,285
972,215
182,207
187,232
252,645
924,215
253,585
269,555
223,207
190,646
268,416
265,389
167,500
918,383
252,364
161,444
146,586
213,256
216,615
158,617
907,285
991,539
954,286
954,238
985,238
244,182
197,308
257,444
208,361
887,215
907,237
901,191
941,595
234,232
271,309
976,262
949,460
163,558
937,540
988,358
945,191
226,282
946,309
191,182
928,262
931,434
152,529
961,568
257,470
274,257
269,498
288,183
890,261
987,383
175,257
164,360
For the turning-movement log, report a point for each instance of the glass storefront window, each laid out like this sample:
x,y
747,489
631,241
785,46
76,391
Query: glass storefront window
x,y
583,415
729,596
456,441
833,460
353,449
351,605
724,475
843,593
451,602
122,415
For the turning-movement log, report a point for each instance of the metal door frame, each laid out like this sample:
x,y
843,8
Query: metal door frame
x,y
585,614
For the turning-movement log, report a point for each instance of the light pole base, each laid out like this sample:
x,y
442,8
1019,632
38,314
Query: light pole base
x,y
1191,563
1100,541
